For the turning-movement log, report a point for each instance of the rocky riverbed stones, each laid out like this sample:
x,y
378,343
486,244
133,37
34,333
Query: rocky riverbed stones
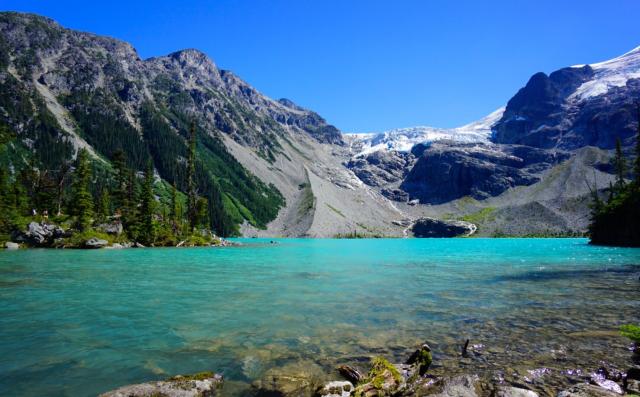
x,y
587,390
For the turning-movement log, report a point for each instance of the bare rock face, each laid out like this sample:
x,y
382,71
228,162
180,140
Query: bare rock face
x,y
446,172
382,167
570,108
204,384
111,228
430,227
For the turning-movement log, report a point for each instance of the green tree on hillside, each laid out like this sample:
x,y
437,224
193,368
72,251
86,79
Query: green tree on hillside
x,y
61,183
202,210
147,207
174,210
82,198
120,194
192,192
103,207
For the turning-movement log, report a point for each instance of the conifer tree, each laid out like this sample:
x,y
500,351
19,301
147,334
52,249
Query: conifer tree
x,y
120,193
192,193
5,202
19,197
203,212
147,205
174,210
620,166
46,192
61,181
103,209
82,199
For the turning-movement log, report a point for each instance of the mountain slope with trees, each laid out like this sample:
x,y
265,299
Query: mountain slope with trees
x,y
63,91
176,146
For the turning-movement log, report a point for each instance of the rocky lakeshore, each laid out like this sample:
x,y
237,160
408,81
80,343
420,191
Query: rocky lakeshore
x,y
380,378
108,235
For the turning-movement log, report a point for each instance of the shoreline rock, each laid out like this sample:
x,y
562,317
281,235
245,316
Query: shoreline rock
x,y
203,384
431,227
10,245
40,234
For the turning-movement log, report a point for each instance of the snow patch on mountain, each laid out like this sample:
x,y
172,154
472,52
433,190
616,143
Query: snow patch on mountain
x,y
403,139
608,74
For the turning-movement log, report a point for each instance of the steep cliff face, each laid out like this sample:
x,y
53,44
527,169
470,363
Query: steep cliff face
x,y
444,172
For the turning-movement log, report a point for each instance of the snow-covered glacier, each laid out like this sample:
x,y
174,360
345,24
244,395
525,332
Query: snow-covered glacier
x,y
403,139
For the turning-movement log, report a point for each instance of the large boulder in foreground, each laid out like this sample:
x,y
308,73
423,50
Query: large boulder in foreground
x,y
203,384
431,227
297,379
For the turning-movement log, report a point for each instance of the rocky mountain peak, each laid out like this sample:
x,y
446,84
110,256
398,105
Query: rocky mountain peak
x,y
582,105
289,103
194,58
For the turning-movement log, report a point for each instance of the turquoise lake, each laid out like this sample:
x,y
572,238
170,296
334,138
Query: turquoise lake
x,y
77,323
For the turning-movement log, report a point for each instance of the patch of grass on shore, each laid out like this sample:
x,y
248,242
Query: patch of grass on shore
x,y
479,217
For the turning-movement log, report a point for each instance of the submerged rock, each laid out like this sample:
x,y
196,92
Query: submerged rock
x,y
600,378
203,384
508,391
300,379
459,386
430,227
587,390
350,373
632,380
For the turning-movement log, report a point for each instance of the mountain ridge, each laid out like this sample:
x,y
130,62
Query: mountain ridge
x,y
272,168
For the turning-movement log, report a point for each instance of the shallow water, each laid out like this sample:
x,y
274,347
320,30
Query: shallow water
x,y
82,322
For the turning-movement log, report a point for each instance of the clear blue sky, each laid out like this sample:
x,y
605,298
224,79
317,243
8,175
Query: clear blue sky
x,y
370,65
